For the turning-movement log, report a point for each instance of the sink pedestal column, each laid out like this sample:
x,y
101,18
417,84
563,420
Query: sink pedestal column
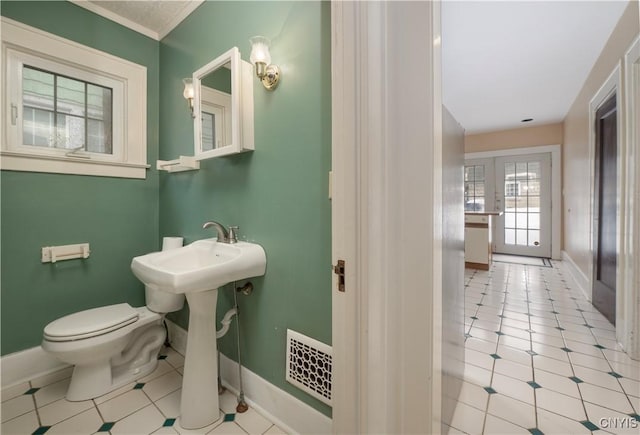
x,y
199,404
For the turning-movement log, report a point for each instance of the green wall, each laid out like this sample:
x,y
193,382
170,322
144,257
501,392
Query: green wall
x,y
277,194
118,217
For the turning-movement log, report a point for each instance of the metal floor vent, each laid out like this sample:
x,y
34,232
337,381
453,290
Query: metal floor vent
x,y
309,365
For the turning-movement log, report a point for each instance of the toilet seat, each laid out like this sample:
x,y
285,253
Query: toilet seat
x,y
91,323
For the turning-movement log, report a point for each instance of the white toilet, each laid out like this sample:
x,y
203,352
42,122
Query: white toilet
x,y
110,346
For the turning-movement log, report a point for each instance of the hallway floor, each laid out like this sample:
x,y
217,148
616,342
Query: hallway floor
x,y
150,405
540,359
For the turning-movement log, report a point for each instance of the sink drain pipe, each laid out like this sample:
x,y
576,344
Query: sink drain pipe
x,y
226,321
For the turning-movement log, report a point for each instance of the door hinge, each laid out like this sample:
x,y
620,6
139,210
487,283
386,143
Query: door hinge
x,y
339,270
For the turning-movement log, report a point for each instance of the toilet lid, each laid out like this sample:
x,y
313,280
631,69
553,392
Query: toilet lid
x,y
90,323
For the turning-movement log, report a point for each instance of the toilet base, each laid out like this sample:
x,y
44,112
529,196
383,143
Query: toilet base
x,y
89,382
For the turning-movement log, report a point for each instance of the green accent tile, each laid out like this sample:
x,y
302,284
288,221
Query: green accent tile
x,y
31,390
634,416
576,379
495,356
534,384
41,430
566,349
162,357
138,386
169,422
530,352
559,328
580,309
467,335
588,326
599,346
592,427
107,426
614,374
499,333
229,417
480,305
474,317
490,390
535,431
555,312
502,316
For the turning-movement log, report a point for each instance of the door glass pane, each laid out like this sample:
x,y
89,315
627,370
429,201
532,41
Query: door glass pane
x,y
534,237
474,188
521,171
521,221
521,237
509,220
509,237
534,221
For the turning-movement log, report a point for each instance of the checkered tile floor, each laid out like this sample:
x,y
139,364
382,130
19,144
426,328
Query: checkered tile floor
x,y
540,359
149,405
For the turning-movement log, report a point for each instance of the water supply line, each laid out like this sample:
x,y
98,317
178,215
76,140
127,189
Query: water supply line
x,y
246,289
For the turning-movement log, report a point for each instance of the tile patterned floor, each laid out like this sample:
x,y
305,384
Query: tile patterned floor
x,y
149,405
540,359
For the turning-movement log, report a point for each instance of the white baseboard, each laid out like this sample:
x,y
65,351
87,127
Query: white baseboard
x,y
287,412
28,364
578,275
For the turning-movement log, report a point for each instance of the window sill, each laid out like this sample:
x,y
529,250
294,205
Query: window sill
x,y
12,161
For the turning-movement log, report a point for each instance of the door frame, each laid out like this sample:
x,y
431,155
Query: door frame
x,y
386,91
627,292
628,331
556,185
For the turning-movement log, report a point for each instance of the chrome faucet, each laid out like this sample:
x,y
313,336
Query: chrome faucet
x,y
224,236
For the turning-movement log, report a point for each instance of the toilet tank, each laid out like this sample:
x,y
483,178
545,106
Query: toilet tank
x,y
160,301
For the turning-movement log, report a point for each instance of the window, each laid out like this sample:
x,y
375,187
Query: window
x,y
81,112
474,187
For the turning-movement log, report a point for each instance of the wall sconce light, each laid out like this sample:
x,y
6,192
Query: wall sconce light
x,y
260,57
188,93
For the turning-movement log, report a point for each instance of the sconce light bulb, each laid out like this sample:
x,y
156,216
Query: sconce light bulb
x,y
260,50
188,88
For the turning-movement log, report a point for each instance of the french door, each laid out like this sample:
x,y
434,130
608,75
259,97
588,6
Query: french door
x,y
520,187
523,194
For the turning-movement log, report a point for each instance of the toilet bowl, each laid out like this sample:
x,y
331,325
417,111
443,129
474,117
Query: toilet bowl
x,y
110,346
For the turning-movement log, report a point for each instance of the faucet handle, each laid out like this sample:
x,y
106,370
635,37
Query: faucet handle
x,y
232,234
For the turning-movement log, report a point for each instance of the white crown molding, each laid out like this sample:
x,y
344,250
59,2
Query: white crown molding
x,y
157,35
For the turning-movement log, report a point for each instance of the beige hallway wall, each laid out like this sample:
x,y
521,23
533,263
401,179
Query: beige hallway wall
x,y
549,134
575,159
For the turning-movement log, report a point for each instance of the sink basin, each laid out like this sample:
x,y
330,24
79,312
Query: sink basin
x,y
197,270
202,265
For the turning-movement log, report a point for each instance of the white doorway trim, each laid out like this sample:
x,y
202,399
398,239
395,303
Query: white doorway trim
x,y
386,216
556,185
629,334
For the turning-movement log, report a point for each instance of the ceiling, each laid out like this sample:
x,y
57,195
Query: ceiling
x,y
154,18
505,61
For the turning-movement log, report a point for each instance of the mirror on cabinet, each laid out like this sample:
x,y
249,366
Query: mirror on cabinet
x,y
223,106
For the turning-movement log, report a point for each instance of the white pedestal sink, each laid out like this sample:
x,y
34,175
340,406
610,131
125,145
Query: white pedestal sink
x,y
197,270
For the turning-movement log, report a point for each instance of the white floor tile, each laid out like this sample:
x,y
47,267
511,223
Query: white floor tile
x,y
87,422
557,383
228,428
541,362
549,340
165,431
553,424
619,357
480,345
52,392
630,387
203,430
597,377
25,424
513,388
550,351
169,405
559,403
512,410
583,348
609,420
605,398
14,391
17,406
589,362
275,430
144,421
468,419
173,358
514,355
163,385
495,425
162,368
474,395
514,370
627,370
515,342
228,402
62,409
477,376
126,404
114,393
478,359
252,422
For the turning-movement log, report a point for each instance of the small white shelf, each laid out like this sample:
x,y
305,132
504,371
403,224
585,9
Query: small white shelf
x,y
52,254
181,164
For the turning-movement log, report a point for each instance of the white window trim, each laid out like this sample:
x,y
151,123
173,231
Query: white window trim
x,y
129,160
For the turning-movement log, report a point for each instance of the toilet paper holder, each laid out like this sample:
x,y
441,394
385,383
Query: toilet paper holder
x,y
65,252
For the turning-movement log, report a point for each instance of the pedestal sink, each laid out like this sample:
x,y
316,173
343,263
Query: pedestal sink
x,y
197,270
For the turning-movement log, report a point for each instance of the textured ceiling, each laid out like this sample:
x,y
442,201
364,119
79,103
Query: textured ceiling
x,y
506,61
154,18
